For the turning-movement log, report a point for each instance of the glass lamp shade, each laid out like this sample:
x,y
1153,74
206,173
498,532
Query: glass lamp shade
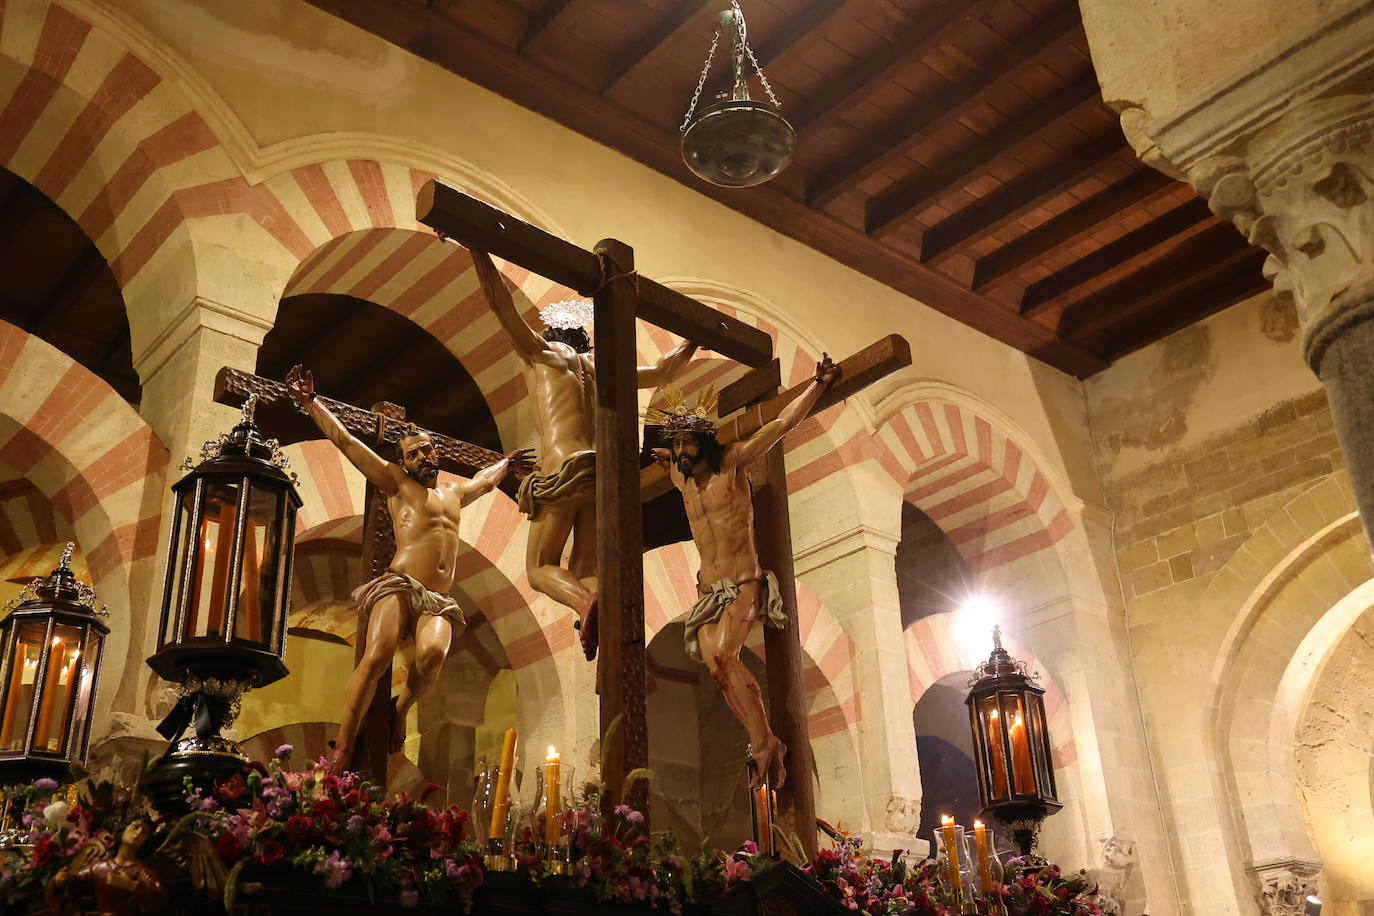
x,y
50,669
1011,742
738,143
225,599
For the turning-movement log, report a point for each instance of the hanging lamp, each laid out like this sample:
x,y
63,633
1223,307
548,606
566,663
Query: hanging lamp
x,y
737,142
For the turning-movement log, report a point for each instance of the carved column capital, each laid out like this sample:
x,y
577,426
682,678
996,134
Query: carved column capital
x,y
1283,885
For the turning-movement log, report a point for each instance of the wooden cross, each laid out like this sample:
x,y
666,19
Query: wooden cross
x,y
381,427
620,296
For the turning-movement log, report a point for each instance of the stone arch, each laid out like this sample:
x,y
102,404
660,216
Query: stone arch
x,y
101,468
1289,593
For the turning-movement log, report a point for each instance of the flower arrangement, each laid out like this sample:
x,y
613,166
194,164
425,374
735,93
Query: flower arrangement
x,y
346,834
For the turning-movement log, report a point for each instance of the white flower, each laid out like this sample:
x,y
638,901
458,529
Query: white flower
x,y
56,814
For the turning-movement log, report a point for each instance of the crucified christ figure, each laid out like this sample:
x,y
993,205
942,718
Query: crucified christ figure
x,y
559,497
734,588
410,599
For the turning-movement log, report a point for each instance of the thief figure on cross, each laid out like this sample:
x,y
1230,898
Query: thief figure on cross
x,y
410,600
559,497
734,589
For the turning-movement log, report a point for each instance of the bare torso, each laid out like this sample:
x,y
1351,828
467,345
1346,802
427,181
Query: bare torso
x,y
562,383
426,523
721,514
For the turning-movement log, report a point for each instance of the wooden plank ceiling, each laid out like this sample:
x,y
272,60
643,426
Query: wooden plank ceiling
x,y
958,151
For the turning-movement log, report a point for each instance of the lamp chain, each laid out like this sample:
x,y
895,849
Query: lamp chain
x,y
710,55
754,60
701,82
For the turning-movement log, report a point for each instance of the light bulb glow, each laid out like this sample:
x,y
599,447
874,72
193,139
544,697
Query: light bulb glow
x,y
972,626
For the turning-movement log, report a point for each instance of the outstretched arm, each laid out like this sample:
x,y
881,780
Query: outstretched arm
x,y
485,480
668,367
379,472
770,433
527,343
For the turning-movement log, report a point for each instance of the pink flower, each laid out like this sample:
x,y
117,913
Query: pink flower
x,y
737,869
751,848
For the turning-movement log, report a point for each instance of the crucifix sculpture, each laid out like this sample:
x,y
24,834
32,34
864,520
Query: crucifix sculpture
x,y
620,296
370,432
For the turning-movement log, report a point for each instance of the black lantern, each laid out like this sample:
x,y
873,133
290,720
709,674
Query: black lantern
x,y
50,667
737,142
224,605
1011,746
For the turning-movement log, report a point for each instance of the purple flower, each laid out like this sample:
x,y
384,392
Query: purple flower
x,y
283,752
357,825
45,784
336,869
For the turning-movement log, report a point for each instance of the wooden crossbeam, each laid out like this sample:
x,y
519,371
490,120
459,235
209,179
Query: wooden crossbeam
x,y
1014,200
682,17
547,21
796,29
749,388
1072,226
1208,254
911,43
869,365
475,224
1192,304
1171,228
897,205
889,142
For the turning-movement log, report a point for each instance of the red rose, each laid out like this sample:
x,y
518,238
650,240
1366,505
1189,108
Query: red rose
x,y
231,788
271,853
423,826
325,807
330,782
454,823
228,846
299,826
44,851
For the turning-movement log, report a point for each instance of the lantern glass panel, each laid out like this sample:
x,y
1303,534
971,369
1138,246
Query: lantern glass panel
x,y
22,682
59,689
257,595
90,659
210,581
1022,766
185,506
1035,707
990,724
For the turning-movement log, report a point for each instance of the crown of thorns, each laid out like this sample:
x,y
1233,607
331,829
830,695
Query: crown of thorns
x,y
679,418
568,313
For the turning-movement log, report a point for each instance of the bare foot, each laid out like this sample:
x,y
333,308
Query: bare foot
x,y
768,762
340,755
398,729
588,629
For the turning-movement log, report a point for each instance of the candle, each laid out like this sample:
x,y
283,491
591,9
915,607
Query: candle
x,y
997,753
980,839
951,839
763,815
25,670
501,800
51,685
1022,771
553,803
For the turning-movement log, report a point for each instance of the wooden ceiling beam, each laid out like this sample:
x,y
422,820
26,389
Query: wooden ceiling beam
x,y
1173,227
1072,226
890,141
1211,253
796,30
1015,199
1192,305
911,43
664,32
500,69
552,16
899,204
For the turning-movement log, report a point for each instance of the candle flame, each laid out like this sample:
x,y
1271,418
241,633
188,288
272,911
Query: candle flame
x,y
57,640
992,714
946,820
553,754
978,825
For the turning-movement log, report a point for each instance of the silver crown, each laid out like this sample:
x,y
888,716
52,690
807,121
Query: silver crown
x,y
567,313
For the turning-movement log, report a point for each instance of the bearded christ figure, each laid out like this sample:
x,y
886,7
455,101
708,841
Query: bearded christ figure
x,y
410,600
735,590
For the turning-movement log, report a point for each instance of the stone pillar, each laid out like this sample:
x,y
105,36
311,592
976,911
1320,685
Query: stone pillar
x,y
1284,149
1283,885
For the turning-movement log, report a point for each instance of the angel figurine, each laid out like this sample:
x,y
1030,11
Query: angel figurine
x,y
134,880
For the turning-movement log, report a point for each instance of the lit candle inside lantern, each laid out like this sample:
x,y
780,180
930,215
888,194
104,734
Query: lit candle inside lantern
x,y
24,673
951,839
52,681
553,803
980,840
501,800
1022,771
997,753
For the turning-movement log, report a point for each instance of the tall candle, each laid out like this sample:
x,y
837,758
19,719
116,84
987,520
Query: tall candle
x,y
501,801
25,672
763,813
51,683
1022,770
997,753
553,800
980,839
951,839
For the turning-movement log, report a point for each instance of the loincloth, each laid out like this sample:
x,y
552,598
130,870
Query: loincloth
x,y
574,481
710,607
415,598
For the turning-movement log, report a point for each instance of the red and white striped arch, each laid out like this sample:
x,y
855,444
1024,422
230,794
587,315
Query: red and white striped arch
x,y
27,519
828,653
83,447
26,565
973,481
934,650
